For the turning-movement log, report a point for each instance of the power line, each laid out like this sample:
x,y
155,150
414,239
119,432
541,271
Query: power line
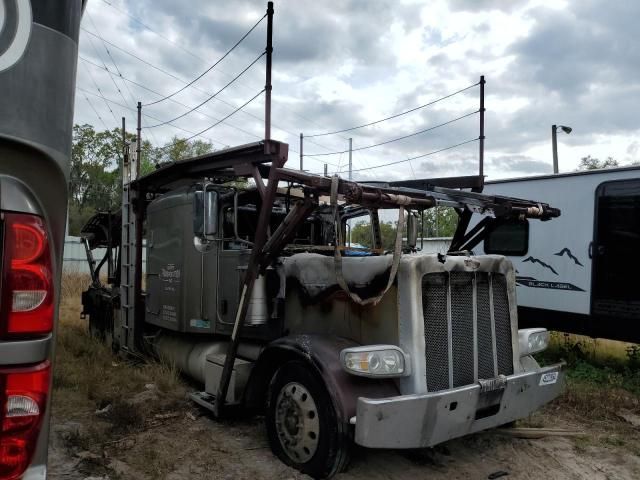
x,y
418,156
144,114
107,69
89,32
396,115
108,100
96,112
211,97
177,103
215,124
110,56
399,138
95,84
211,67
194,55
413,172
116,67
140,22
195,87
104,67
172,99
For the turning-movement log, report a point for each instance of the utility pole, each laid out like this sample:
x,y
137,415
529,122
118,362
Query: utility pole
x,y
139,140
126,150
267,85
124,144
554,146
350,158
554,143
481,146
326,170
301,148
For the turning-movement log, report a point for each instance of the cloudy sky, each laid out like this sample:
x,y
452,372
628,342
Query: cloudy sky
x,y
338,64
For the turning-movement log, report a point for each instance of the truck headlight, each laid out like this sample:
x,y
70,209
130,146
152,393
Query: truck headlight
x,y
375,361
532,340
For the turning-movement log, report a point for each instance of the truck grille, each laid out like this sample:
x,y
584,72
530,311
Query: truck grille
x,y
467,328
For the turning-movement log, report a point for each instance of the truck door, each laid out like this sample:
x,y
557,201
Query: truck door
x,y
614,250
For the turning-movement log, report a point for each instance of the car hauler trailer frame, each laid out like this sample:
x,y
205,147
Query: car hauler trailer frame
x,y
38,56
250,291
577,274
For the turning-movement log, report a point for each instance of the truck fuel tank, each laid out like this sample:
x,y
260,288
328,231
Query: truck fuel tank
x,y
257,312
189,355
239,376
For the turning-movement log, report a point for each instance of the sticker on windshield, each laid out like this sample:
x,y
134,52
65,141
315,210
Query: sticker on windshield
x,y
548,378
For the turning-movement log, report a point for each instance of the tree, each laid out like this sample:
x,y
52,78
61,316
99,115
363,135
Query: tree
x,y
92,154
438,222
94,173
592,163
179,148
361,234
95,180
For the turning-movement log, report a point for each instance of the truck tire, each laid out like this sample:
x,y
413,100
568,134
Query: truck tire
x,y
302,425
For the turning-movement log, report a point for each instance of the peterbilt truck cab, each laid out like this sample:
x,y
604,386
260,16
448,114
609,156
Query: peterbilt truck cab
x,y
253,290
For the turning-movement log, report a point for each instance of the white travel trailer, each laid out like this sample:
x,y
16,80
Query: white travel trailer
x,y
578,273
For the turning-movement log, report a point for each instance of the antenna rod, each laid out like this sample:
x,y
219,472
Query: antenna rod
x,y
267,86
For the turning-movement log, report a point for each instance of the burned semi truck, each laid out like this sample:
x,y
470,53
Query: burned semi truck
x,y
252,290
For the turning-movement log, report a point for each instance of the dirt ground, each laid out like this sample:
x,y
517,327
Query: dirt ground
x,y
113,420
201,448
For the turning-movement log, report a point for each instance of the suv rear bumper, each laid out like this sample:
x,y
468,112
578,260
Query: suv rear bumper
x,y
413,421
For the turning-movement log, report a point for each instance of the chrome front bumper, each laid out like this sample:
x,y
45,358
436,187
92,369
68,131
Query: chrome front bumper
x,y
412,421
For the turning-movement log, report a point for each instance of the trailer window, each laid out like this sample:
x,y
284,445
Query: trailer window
x,y
510,238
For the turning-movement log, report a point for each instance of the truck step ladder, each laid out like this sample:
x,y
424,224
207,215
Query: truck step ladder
x,y
205,400
123,332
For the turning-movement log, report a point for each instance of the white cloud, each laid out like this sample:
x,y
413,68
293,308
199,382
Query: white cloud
x,y
339,64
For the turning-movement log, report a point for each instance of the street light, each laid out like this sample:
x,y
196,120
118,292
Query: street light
x,y
554,142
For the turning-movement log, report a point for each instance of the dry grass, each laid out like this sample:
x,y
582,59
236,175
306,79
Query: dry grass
x,y
603,379
89,377
87,367
73,284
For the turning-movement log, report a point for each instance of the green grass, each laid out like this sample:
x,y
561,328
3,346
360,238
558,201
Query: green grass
x,y
603,377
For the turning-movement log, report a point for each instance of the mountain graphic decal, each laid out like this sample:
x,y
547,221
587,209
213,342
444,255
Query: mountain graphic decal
x,y
567,252
535,260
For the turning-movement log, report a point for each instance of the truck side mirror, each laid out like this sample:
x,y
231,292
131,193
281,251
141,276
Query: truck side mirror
x,y
205,213
412,230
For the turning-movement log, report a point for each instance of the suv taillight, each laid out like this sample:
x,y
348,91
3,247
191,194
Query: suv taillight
x,y
23,399
26,305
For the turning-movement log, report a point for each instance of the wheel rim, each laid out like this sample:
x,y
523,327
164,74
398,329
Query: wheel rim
x,y
297,422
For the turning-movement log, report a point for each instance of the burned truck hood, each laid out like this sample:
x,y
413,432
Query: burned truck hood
x,y
316,274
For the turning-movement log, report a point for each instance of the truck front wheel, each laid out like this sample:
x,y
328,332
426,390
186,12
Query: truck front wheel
x,y
303,428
